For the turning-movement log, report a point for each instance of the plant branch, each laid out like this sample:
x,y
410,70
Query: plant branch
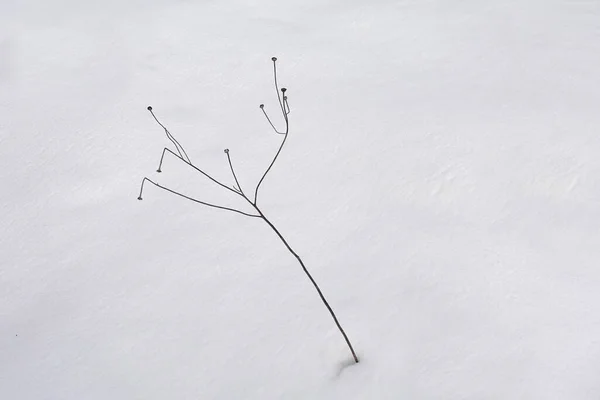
x,y
166,149
274,59
182,155
262,107
191,198
178,146
287,127
239,187
271,165
311,280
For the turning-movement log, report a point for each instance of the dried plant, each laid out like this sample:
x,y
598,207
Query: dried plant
x,y
182,155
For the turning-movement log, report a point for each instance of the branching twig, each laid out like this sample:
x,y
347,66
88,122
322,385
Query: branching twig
x,y
285,110
167,150
191,198
274,159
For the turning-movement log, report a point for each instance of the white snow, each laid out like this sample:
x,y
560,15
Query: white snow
x,y
441,181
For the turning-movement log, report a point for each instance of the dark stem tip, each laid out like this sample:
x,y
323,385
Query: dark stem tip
x,y
226,151
262,106
283,90
158,170
149,108
274,59
140,198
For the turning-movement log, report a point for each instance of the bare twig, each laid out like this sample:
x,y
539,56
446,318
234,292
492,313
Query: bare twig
x,y
262,107
285,110
178,146
274,59
337,323
271,165
239,187
167,150
191,198
287,128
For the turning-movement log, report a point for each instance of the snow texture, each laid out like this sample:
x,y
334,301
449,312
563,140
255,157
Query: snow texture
x,y
441,180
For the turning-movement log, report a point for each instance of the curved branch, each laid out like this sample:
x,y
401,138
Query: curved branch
x,y
287,125
262,107
166,149
178,146
272,162
274,59
287,105
192,199
233,173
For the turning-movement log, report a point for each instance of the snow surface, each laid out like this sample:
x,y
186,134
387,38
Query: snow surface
x,y
441,180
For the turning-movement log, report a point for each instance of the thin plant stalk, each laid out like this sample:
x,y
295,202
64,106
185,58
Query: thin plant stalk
x,y
237,189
